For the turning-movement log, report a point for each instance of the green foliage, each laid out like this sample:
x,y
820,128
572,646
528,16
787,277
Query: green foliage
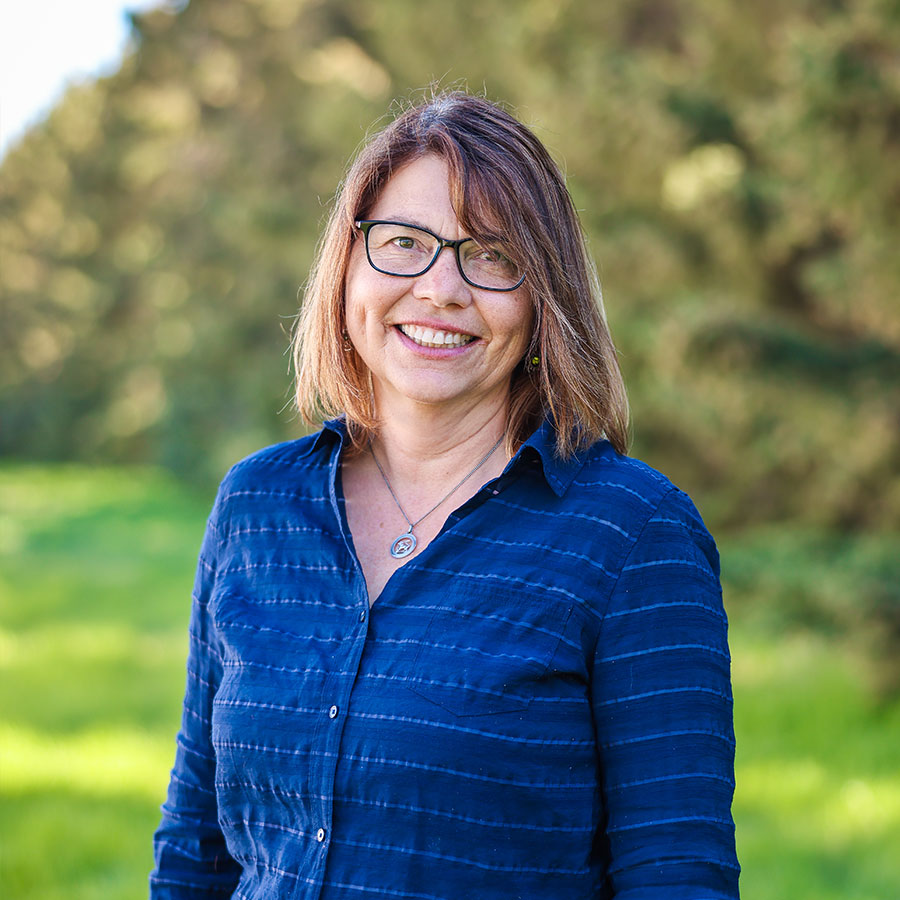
x,y
846,588
95,576
732,164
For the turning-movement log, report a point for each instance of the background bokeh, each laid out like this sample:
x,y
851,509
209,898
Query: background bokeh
x,y
736,169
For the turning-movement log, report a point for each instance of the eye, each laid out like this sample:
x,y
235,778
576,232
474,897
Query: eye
x,y
489,256
404,242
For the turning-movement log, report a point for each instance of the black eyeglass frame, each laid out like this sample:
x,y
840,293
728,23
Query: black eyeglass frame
x,y
364,225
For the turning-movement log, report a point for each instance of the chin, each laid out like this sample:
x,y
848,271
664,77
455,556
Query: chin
x,y
420,390
434,397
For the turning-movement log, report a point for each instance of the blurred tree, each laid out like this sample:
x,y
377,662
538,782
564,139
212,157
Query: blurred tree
x,y
732,164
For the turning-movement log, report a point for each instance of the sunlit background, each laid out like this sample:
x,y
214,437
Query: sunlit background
x,y
47,45
735,168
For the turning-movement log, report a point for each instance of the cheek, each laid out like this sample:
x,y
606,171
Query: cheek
x,y
355,317
356,297
367,296
524,323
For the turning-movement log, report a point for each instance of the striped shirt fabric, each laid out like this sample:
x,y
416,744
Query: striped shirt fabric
x,y
537,706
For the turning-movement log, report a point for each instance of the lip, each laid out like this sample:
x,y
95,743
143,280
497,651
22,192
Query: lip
x,y
434,352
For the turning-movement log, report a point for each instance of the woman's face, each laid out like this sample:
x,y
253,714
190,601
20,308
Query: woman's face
x,y
389,317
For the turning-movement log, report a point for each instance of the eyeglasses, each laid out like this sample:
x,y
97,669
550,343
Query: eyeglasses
x,y
396,248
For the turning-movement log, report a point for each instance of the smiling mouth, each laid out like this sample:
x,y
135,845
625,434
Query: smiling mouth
x,y
428,337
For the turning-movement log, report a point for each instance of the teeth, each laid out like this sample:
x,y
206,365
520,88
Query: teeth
x,y
426,337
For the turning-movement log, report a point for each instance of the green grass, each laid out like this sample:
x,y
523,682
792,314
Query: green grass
x,y
817,806
96,568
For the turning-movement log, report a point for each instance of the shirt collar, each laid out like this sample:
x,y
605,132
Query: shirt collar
x,y
337,426
559,473
332,430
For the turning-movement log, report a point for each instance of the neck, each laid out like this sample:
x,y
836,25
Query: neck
x,y
428,443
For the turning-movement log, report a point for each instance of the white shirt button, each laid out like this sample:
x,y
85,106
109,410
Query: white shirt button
x,y
332,713
320,835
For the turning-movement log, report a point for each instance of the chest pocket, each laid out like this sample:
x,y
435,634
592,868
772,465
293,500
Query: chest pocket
x,y
488,653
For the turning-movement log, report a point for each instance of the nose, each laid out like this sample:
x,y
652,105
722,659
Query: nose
x,y
443,283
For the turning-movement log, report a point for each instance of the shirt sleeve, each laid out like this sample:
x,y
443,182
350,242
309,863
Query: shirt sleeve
x,y
191,859
663,714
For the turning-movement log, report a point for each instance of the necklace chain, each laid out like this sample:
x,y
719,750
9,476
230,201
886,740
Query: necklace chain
x,y
406,543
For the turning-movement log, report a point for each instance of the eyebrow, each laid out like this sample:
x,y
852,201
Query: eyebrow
x,y
417,224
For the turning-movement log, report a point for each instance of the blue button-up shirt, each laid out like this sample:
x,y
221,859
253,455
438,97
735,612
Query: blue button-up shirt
x,y
537,706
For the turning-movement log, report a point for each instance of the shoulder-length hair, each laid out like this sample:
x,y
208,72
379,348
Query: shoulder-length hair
x,y
506,190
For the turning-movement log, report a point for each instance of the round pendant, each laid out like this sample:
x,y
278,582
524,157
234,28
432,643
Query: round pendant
x,y
403,545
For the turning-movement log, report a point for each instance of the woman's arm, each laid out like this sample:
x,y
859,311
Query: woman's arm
x,y
192,860
663,713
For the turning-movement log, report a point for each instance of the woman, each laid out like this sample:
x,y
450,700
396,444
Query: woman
x,y
455,644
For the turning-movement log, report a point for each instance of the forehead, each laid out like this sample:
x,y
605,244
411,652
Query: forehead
x,y
418,192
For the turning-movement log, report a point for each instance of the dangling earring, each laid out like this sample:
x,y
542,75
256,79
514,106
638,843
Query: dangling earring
x,y
346,346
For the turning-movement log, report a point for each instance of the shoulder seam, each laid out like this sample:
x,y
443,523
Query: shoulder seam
x,y
276,454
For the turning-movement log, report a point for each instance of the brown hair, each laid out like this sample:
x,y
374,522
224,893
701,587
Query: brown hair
x,y
505,189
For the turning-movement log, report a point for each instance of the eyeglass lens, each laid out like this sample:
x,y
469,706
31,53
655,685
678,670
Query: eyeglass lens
x,y
407,250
